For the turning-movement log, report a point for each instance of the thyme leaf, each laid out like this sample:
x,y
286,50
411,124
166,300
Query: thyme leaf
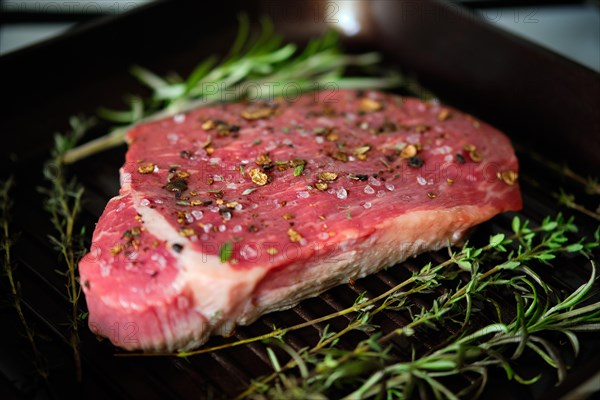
x,y
63,198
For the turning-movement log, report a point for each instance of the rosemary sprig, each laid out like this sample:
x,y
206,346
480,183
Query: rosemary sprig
x,y
63,203
262,67
369,369
6,204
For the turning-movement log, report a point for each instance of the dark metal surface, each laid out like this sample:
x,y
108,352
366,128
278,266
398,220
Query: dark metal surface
x,y
542,101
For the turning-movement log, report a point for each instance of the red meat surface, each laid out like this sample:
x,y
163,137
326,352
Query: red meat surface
x,y
231,211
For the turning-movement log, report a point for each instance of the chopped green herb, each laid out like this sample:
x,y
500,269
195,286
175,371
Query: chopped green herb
x,y
298,170
225,251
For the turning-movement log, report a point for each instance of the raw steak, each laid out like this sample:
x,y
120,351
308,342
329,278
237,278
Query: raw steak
x,y
228,212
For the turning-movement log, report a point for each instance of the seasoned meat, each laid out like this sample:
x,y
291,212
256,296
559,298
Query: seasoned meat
x,y
231,211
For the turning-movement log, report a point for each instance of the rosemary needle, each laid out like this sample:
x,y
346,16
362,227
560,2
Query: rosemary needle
x,y
255,68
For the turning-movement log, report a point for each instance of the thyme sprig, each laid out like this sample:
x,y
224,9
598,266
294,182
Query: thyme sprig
x,y
63,198
369,369
7,241
256,67
568,200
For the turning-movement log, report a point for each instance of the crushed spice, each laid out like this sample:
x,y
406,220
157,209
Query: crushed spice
x,y
208,125
186,232
328,176
294,235
508,177
296,162
444,114
408,151
146,168
322,186
339,156
258,176
369,105
253,113
358,177
361,152
263,160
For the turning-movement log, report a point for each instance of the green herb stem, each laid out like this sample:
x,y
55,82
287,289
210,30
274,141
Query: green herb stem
x,y
6,204
476,349
63,203
263,62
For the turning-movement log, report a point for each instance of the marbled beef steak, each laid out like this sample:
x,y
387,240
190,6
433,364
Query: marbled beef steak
x,y
231,211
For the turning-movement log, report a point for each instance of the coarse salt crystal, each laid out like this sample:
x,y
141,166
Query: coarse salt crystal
x,y
442,150
369,190
179,118
197,214
342,194
248,252
303,195
390,187
222,228
367,205
144,202
237,229
189,218
172,138
422,181
373,181
413,138
380,193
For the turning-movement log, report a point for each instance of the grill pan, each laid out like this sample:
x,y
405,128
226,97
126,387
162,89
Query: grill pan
x,y
545,103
